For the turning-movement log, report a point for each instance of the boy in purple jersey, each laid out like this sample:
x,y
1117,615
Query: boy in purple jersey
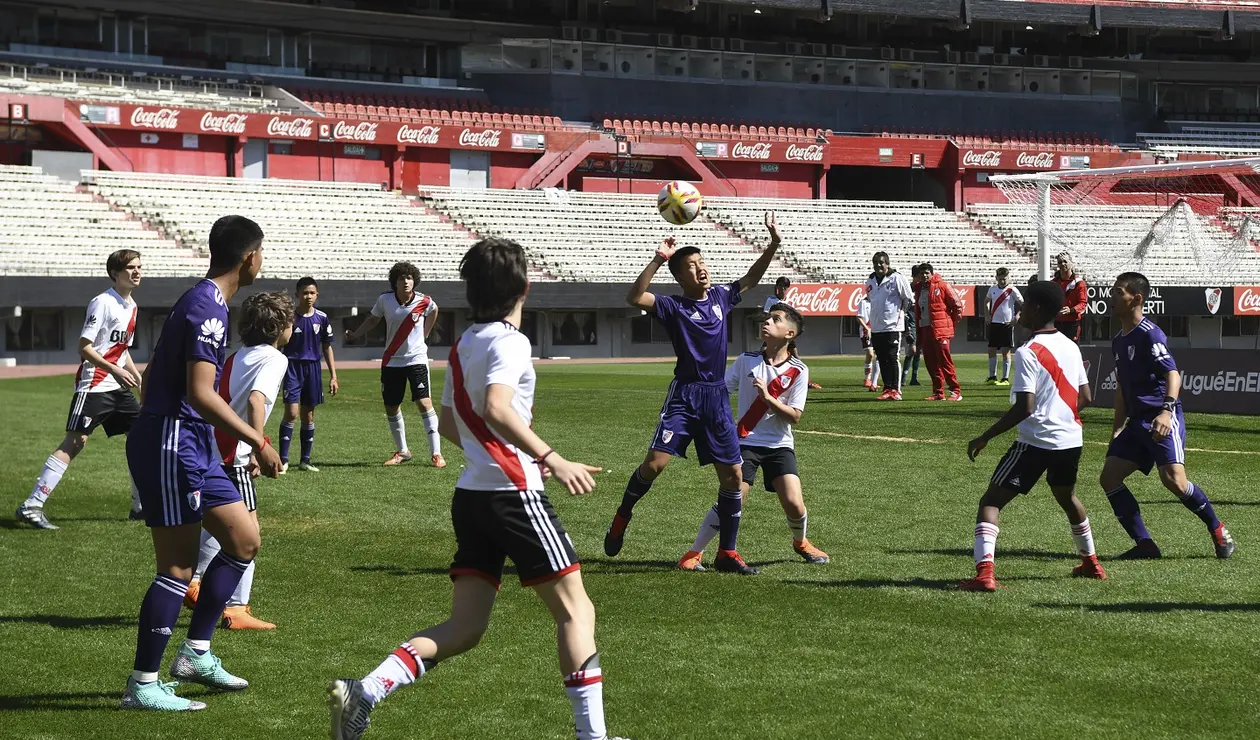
x,y
303,382
1149,428
180,477
697,407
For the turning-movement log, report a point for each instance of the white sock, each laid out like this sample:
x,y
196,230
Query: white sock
x,y
135,494
866,371
585,688
1083,536
209,548
48,479
240,597
1006,366
399,669
875,373
201,646
431,427
708,530
986,542
398,428
144,676
992,366
798,527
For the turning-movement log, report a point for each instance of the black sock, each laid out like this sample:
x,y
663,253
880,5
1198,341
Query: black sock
x,y
636,489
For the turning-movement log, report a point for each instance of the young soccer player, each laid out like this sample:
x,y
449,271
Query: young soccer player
x,y
1049,390
303,384
914,350
870,368
173,459
409,317
772,385
1149,428
1001,309
781,286
499,509
102,392
250,384
697,406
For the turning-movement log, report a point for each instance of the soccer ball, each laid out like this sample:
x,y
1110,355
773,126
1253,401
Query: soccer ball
x,y
679,202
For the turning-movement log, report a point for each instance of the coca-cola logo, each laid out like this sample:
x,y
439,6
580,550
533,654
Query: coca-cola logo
x,y
811,153
1248,301
363,131
231,123
972,158
163,118
298,128
488,139
825,300
741,150
1035,161
422,135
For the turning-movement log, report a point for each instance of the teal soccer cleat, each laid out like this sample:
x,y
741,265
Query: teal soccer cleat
x,y
206,670
157,697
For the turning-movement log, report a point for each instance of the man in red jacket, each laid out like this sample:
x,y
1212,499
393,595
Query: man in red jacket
x,y
936,310
1076,296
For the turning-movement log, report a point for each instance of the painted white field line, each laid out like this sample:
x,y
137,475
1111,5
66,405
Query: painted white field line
x,y
913,440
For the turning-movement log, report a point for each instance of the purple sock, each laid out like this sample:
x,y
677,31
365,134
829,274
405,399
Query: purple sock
x,y
217,584
1197,501
158,613
1126,509
308,441
729,507
286,439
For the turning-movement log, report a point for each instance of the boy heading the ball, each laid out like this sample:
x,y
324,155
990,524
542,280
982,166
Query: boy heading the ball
x,y
697,406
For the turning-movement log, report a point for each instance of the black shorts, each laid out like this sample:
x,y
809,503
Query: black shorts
x,y
491,526
1001,336
394,382
244,483
776,461
1070,329
113,410
1023,465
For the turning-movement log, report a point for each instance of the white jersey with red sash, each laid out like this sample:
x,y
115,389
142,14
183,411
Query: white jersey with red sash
x,y
404,328
758,425
110,325
259,368
1003,303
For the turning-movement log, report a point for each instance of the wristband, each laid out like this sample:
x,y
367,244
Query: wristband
x,y
1170,404
539,460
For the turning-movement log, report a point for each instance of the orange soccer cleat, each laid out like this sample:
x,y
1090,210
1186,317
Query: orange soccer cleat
x,y
814,386
399,458
439,461
1090,568
955,396
241,618
190,596
935,397
692,561
812,554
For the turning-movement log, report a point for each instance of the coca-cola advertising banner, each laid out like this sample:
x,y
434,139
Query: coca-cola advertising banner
x,y
1247,300
1005,159
763,151
1213,381
1174,301
842,299
275,126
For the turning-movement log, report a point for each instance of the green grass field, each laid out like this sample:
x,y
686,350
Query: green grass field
x,y
878,643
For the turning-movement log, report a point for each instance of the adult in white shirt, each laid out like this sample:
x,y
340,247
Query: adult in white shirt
x,y
890,296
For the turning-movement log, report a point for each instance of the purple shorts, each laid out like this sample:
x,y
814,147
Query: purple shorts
x,y
700,413
1135,444
304,383
177,470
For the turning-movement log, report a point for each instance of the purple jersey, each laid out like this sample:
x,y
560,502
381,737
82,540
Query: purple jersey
x,y
195,329
310,335
697,329
1142,365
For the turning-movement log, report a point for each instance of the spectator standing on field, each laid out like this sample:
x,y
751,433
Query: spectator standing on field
x,y
937,311
910,364
1076,296
890,296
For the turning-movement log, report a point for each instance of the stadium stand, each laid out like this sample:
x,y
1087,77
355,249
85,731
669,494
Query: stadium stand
x,y
1239,140
391,107
51,227
118,87
834,239
725,130
594,236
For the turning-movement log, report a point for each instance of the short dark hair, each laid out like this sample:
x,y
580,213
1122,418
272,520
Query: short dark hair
x,y
877,255
303,282
1003,272
676,259
1136,283
792,314
264,317
1045,297
784,282
496,276
231,239
1033,280
401,270
927,267
916,270
117,262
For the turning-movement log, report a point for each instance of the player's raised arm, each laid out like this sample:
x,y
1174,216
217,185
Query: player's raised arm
x,y
758,269
503,419
639,297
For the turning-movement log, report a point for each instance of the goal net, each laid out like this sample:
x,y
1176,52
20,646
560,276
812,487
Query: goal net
x,y
1179,224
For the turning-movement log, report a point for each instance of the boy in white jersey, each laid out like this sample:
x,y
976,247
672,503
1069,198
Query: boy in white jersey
x,y
250,384
499,510
1001,308
772,386
409,317
102,392
870,368
1049,390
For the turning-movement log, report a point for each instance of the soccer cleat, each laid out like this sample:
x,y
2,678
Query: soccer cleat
x,y
1090,568
34,516
729,561
1223,541
1143,550
692,561
868,385
284,467
350,709
399,458
242,618
984,581
935,397
872,388
190,596
307,467
615,537
1004,382
955,396
136,515
896,396
157,697
812,554
991,380
885,396
814,386
206,670
439,461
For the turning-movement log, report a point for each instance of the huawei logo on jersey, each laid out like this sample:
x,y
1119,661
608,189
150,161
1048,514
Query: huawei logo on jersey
x,y
212,331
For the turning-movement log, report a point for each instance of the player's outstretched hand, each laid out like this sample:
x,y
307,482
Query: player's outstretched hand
x,y
268,461
1161,427
125,377
575,476
667,248
772,226
333,386
975,447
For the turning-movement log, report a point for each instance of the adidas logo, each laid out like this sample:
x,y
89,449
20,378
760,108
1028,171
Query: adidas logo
x,y
1014,481
695,316
1109,383
161,631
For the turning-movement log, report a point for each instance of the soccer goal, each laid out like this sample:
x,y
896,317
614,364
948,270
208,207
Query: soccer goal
x,y
1188,223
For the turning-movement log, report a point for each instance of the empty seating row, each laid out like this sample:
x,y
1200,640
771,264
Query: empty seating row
x,y
125,89
635,127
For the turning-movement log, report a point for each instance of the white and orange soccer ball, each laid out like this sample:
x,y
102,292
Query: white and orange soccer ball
x,y
679,202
